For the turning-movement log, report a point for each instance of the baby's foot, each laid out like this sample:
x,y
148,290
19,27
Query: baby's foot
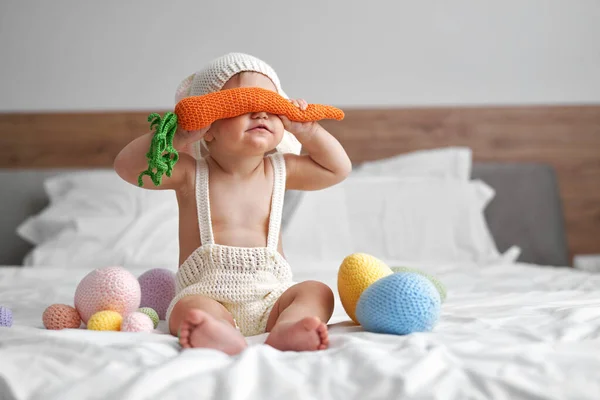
x,y
200,329
305,335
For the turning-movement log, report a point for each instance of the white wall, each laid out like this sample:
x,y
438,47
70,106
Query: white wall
x,y
74,55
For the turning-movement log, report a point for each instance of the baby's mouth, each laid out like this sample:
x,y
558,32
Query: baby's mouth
x,y
258,128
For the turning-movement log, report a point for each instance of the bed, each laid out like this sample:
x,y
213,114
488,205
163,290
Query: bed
x,y
495,202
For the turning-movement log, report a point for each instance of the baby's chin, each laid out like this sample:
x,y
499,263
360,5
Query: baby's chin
x,y
259,143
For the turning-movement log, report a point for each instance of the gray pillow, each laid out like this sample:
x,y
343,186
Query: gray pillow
x,y
526,211
23,196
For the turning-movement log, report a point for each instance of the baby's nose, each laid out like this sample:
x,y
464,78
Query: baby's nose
x,y
260,115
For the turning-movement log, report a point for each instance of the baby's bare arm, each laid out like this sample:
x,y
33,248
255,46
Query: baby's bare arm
x,y
325,164
131,161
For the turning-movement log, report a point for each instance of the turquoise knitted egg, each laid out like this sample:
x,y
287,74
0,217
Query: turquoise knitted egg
x,y
401,303
151,313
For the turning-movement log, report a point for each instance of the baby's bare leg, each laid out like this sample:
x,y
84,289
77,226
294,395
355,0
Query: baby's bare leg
x,y
297,321
202,322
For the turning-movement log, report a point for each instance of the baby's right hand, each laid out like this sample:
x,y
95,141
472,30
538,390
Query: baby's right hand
x,y
184,138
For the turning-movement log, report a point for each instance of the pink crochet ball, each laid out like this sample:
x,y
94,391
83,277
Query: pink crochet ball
x,y
61,316
158,289
137,322
110,288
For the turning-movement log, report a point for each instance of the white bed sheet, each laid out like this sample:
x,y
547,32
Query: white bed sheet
x,y
506,332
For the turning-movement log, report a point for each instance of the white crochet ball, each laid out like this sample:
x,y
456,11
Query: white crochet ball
x,y
137,322
110,288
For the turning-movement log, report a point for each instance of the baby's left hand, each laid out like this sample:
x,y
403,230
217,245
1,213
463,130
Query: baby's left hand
x,y
298,128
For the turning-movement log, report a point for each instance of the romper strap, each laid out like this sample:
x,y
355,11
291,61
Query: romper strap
x,y
279,177
203,202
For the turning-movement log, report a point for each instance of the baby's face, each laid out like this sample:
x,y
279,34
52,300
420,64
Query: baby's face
x,y
247,134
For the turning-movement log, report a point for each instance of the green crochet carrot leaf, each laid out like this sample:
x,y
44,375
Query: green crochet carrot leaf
x,y
162,156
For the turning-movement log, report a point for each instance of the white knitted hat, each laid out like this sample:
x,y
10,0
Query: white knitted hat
x,y
218,72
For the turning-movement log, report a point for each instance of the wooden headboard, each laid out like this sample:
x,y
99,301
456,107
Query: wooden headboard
x,y
566,137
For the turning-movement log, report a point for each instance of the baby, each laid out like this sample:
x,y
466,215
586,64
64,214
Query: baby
x,y
233,280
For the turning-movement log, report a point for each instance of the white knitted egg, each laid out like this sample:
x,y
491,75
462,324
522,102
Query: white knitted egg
x,y
110,288
137,322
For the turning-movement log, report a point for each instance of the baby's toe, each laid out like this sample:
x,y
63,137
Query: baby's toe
x,y
184,340
323,336
184,333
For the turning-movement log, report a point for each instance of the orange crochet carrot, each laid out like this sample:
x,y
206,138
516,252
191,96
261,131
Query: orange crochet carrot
x,y
195,112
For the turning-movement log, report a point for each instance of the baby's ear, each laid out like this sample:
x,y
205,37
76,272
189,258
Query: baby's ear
x,y
208,137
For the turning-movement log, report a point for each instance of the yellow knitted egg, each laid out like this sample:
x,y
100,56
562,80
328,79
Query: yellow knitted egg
x,y
105,321
357,272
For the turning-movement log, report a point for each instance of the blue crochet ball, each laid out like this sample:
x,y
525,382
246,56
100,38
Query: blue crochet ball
x,y
6,317
399,304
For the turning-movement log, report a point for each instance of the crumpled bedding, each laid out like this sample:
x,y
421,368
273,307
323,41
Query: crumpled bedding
x,y
516,331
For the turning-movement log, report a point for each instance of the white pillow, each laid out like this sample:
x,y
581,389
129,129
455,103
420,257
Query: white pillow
x,y
396,219
443,163
446,162
77,195
150,242
95,219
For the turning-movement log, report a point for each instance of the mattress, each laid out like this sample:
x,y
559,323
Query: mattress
x,y
516,331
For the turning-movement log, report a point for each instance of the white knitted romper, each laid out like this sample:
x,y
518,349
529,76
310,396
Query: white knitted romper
x,y
247,281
